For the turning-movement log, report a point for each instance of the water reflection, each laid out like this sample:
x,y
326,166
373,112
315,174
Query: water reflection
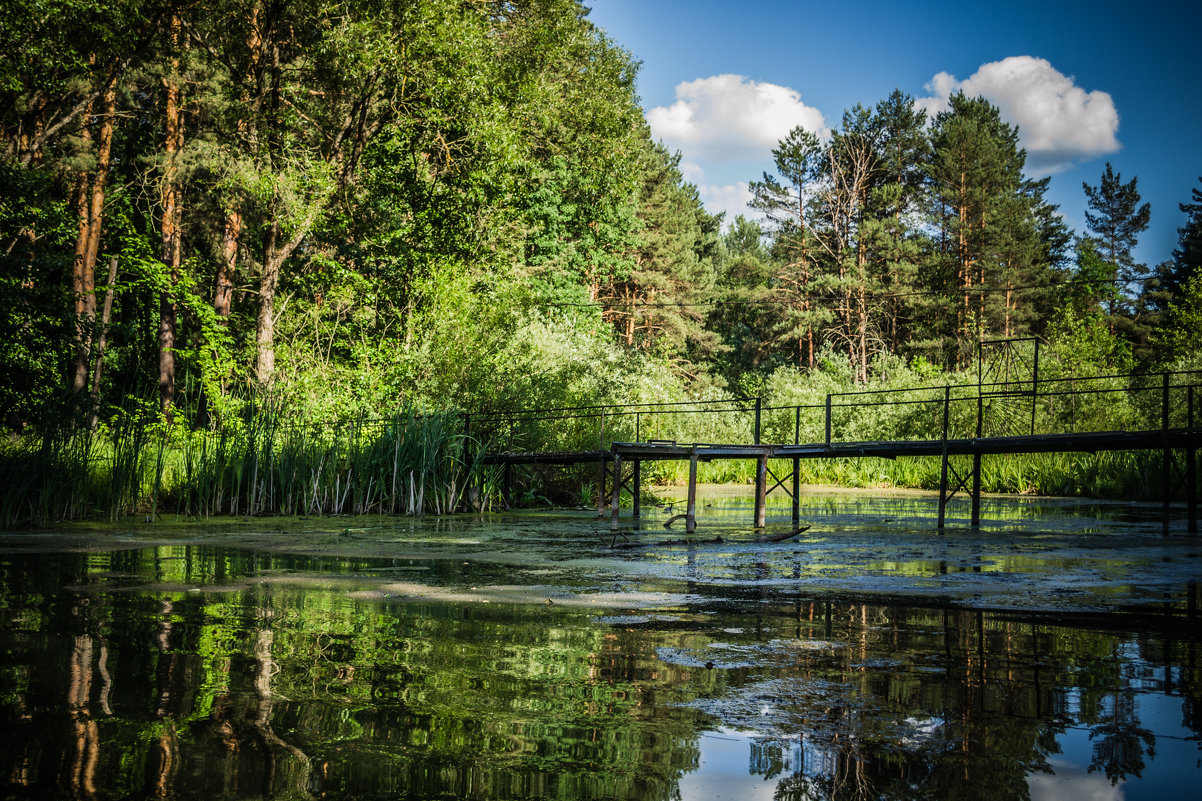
x,y
212,672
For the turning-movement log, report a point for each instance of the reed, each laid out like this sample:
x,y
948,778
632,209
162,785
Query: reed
x,y
267,460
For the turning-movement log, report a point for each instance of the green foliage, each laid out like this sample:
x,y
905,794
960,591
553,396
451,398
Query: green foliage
x,y
1116,219
458,208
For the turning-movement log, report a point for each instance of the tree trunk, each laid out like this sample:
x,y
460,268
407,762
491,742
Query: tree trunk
x,y
87,272
224,295
78,281
170,252
265,323
102,337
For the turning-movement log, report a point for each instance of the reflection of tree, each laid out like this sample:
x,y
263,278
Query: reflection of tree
x,y
277,691
295,771
79,768
1120,739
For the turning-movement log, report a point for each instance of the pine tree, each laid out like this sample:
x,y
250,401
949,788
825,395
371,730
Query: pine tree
x,y
983,222
1186,261
1116,219
786,199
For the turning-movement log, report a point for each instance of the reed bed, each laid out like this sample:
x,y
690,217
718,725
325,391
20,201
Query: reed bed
x,y
267,461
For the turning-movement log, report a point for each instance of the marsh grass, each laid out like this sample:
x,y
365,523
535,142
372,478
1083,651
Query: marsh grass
x,y
268,460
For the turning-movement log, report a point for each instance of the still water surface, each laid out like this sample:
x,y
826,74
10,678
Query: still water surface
x,y
1052,655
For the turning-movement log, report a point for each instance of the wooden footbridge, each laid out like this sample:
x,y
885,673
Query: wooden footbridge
x,y
960,425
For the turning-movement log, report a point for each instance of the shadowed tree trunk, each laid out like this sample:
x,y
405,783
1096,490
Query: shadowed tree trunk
x,y
170,252
86,273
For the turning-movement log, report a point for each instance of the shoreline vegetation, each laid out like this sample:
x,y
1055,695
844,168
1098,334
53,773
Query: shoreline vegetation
x,y
269,461
262,259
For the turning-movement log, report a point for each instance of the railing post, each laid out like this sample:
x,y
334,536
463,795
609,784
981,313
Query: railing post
x,y
1034,386
947,405
828,419
467,482
758,407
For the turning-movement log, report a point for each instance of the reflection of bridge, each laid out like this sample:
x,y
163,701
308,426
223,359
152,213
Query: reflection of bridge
x,y
959,424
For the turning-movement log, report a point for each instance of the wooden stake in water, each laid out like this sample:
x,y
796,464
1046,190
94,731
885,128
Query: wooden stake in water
x,y
761,486
690,520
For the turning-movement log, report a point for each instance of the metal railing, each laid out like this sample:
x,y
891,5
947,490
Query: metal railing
x,y
1048,406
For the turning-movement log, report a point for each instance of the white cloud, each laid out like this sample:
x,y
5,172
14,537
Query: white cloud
x,y
1059,122
692,172
731,198
731,117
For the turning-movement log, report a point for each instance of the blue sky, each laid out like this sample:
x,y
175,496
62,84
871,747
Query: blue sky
x,y
1087,83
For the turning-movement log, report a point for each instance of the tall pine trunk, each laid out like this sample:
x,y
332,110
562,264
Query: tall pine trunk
x,y
171,246
95,223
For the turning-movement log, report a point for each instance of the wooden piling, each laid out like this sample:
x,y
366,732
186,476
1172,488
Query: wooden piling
x,y
690,519
976,490
1166,464
1191,471
638,489
976,462
796,468
601,488
947,402
617,493
761,486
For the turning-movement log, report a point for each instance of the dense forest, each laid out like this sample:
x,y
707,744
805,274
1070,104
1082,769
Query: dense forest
x,y
343,210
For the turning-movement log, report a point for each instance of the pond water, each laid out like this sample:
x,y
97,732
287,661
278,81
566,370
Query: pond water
x,y
1053,654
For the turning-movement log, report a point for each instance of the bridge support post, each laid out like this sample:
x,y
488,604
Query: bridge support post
x,y
1166,463
947,402
761,486
690,512
976,490
507,489
796,468
976,460
1191,471
617,493
638,489
601,466
1191,489
601,498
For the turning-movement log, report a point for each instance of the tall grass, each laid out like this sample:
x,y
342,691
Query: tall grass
x,y
267,460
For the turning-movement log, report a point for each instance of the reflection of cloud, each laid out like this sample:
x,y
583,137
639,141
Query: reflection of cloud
x,y
724,758
730,117
1069,783
1059,122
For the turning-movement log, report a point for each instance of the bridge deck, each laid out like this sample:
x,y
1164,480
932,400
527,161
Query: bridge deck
x,y
1092,442
952,480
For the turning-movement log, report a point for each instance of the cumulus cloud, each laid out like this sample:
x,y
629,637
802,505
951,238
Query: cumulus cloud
x,y
1059,122
731,117
731,198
